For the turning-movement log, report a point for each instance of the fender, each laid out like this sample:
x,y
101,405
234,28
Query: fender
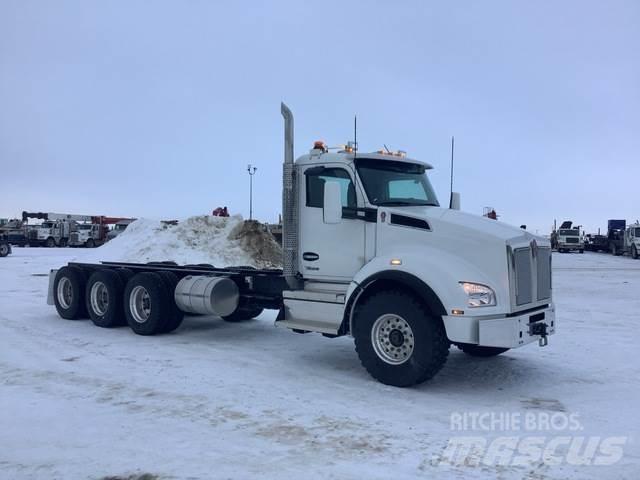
x,y
397,276
432,274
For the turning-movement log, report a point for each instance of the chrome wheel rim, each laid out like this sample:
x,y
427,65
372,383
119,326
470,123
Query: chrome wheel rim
x,y
392,339
65,293
99,296
140,304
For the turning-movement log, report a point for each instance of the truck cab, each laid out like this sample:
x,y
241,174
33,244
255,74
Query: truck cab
x,y
367,244
632,240
87,235
118,228
51,233
570,240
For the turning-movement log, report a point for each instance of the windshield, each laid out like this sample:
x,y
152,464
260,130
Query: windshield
x,y
573,233
393,183
84,227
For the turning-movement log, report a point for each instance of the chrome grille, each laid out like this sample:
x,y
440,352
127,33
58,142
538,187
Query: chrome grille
x,y
523,275
544,273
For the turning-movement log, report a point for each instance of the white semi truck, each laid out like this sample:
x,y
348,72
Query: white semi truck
x,y
367,251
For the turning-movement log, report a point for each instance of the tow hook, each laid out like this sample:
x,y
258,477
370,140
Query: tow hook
x,y
539,328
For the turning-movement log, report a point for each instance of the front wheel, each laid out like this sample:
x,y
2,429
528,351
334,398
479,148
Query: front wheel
x,y
479,351
4,249
90,243
50,242
398,340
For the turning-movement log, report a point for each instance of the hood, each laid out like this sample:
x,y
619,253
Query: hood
x,y
468,222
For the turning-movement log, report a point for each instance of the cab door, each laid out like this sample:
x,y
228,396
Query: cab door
x,y
329,252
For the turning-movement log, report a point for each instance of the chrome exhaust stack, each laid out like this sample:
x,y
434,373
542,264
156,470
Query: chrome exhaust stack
x,y
290,213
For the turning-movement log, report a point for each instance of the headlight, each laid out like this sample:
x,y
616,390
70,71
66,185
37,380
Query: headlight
x,y
478,295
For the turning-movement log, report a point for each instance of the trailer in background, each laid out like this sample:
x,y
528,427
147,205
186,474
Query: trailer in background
x,y
596,242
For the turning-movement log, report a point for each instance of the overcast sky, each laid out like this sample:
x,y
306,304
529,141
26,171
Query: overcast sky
x,y
155,108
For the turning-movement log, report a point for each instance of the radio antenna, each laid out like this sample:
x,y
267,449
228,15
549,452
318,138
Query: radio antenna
x,y
355,136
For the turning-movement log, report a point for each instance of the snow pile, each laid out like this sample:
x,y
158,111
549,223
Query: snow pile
x,y
220,241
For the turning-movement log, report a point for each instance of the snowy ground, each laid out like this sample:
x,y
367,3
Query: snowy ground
x,y
219,400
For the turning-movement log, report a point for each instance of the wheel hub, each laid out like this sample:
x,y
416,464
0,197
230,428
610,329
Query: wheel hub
x,y
99,298
140,304
396,337
392,339
65,292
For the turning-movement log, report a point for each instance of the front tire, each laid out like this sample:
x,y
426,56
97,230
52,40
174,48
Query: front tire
x,y
4,249
398,340
479,351
50,243
90,243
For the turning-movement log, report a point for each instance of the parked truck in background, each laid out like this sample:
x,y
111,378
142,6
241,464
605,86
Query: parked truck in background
x,y
615,236
96,232
569,238
367,251
50,233
88,235
624,239
118,228
14,231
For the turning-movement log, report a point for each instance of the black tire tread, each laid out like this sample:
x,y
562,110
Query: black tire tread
x,y
440,342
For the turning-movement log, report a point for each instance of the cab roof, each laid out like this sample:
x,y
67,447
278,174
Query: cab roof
x,y
318,156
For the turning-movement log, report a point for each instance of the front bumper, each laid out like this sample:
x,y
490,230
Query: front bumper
x,y
502,331
571,246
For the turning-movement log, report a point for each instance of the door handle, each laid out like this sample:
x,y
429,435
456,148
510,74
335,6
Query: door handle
x,y
310,256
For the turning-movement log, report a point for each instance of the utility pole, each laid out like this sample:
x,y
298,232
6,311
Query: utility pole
x,y
251,170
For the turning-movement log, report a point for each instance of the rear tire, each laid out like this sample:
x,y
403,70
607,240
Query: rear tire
x,y
146,305
479,351
175,315
398,340
243,313
68,293
104,295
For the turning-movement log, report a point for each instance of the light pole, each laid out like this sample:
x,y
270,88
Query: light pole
x,y
251,170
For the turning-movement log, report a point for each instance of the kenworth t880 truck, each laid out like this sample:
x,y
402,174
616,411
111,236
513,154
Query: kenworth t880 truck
x,y
367,251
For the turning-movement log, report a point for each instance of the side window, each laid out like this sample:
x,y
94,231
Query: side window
x,y
317,177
